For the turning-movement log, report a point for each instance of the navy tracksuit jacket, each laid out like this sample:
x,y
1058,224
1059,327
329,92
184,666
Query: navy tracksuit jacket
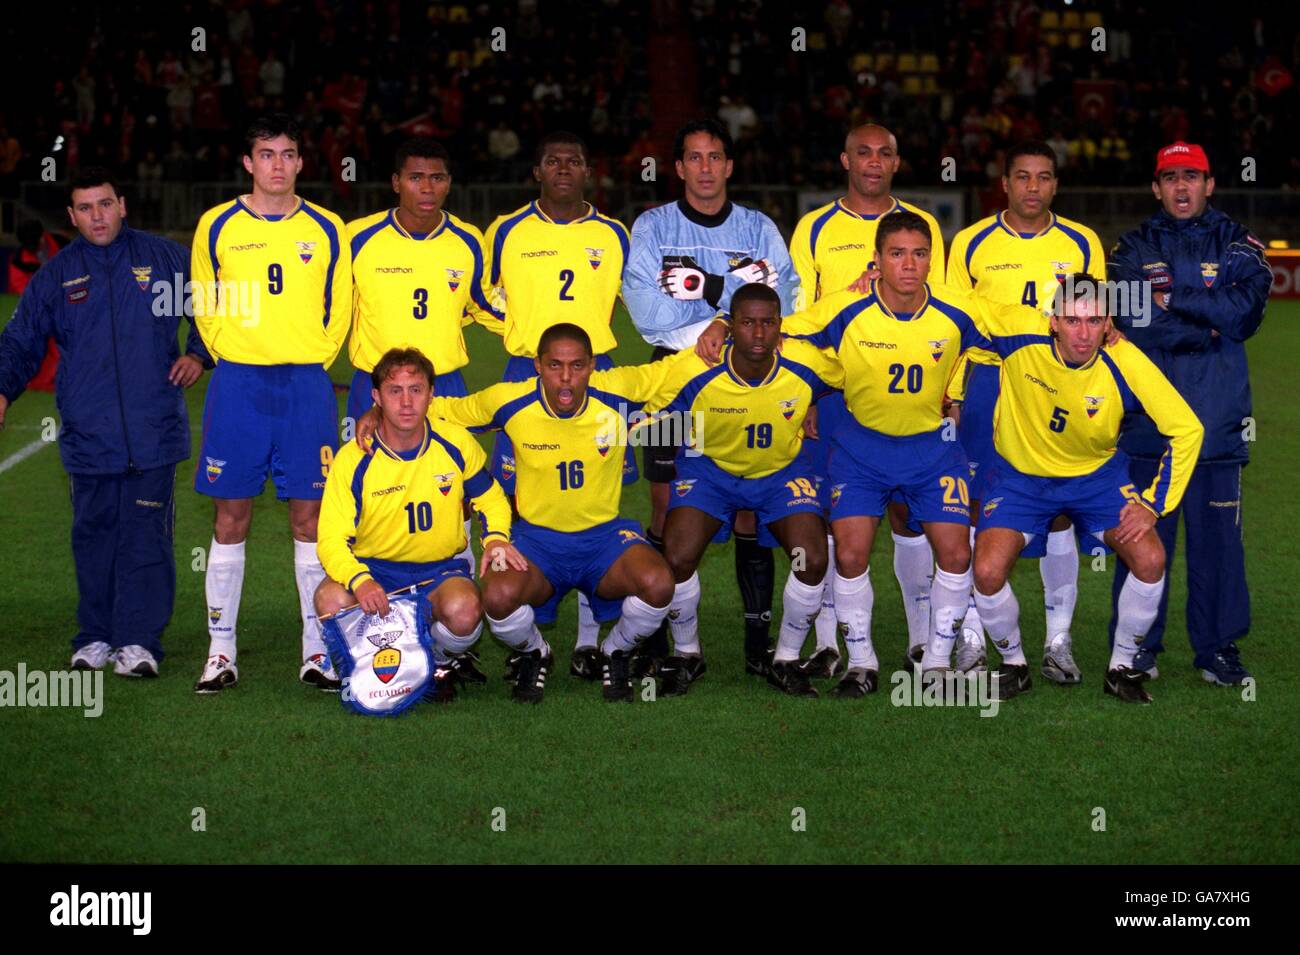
x,y
123,426
1219,283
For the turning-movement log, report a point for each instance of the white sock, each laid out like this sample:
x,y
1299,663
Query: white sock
x,y
1060,572
914,566
224,584
467,555
1001,615
588,628
1136,611
972,620
828,631
949,598
683,617
637,622
519,631
853,603
447,644
800,602
308,573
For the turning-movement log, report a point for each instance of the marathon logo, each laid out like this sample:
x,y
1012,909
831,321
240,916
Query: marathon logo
x,y
142,275
305,250
593,256
1040,383
453,278
936,347
630,537
1001,266
538,253
728,411
1094,404
247,247
393,270
889,345
849,247
388,490
788,407
444,483
539,447
77,281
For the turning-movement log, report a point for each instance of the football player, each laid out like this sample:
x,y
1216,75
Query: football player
x,y
748,411
1063,395
557,259
1020,256
688,258
391,519
273,299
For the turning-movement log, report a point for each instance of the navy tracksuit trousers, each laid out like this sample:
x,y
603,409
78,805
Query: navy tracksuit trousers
x,y
1218,601
122,530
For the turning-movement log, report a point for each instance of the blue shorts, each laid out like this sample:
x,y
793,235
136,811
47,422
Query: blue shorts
x,y
832,414
450,385
1028,504
703,485
519,368
923,471
577,559
975,430
400,574
267,420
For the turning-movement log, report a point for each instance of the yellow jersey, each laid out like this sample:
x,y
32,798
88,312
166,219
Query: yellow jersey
x,y
895,366
1054,419
832,246
406,505
568,468
1019,268
540,272
414,291
750,429
271,290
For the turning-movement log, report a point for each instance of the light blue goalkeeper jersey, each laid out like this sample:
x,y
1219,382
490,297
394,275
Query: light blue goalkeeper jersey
x,y
676,234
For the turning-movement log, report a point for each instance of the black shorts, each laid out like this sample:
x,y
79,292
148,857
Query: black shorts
x,y
659,454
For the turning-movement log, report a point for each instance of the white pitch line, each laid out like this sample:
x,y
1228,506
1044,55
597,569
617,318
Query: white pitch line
x,y
22,454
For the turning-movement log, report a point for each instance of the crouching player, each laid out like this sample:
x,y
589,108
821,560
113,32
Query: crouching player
x,y
1056,427
748,412
392,518
567,427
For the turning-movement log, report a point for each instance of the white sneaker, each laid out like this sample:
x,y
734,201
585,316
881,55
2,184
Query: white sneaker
x,y
134,660
970,652
317,671
1058,661
92,656
219,673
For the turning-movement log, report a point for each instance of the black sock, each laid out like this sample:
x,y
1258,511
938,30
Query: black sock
x,y
755,572
656,645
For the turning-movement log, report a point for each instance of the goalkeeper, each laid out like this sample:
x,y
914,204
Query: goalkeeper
x,y
686,261
392,519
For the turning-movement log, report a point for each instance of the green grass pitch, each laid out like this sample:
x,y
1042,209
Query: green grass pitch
x,y
284,774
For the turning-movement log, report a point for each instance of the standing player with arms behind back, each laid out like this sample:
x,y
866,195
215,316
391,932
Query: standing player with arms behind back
x,y
1019,257
688,258
831,248
557,259
273,297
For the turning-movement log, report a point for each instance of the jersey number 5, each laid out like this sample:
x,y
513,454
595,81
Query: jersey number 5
x,y
1057,423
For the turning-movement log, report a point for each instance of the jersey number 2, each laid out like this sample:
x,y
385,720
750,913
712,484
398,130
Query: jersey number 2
x,y
566,276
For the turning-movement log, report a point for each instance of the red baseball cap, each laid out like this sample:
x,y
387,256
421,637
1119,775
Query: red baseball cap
x,y
1182,155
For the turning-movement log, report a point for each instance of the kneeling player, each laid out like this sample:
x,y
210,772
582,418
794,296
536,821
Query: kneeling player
x,y
749,411
1057,424
567,427
392,518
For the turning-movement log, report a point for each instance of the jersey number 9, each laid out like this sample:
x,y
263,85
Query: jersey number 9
x,y
275,278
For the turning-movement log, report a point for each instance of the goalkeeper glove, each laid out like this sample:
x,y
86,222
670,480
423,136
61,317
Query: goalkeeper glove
x,y
682,283
750,270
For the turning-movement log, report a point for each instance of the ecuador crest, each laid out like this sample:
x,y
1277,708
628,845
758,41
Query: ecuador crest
x,y
593,256
305,251
444,483
387,662
1094,404
142,274
453,278
602,444
936,347
213,469
788,406
682,488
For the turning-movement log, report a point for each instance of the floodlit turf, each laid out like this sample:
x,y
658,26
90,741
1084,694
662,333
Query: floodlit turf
x,y
283,774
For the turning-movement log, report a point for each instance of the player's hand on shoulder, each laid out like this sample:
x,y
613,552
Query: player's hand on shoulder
x,y
810,423
862,284
366,426
371,597
709,345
